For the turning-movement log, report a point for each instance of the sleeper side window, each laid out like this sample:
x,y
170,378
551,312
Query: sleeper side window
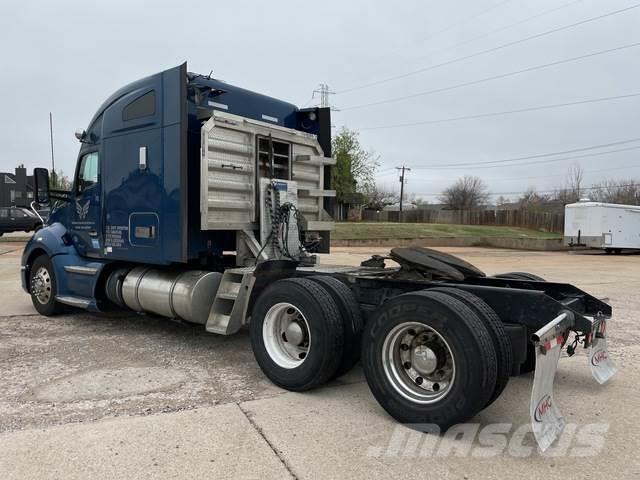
x,y
143,106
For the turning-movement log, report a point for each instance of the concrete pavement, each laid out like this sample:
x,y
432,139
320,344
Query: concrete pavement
x,y
128,396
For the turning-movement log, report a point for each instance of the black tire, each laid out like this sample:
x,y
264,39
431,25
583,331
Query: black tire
x,y
521,276
351,317
325,347
495,327
49,307
468,341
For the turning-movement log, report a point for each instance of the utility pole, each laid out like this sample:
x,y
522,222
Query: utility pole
x,y
53,162
402,171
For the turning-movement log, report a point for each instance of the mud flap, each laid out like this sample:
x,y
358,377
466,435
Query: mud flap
x,y
547,422
602,367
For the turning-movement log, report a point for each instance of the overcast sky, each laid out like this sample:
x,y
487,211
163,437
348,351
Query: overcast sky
x,y
67,57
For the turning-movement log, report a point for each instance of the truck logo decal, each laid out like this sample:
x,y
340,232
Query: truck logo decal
x,y
82,210
544,405
598,357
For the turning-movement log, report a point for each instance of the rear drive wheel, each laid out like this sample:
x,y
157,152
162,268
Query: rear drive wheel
x,y
43,287
499,337
351,317
296,334
429,359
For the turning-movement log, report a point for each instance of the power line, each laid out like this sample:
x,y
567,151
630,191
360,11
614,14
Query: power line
x,y
495,77
489,33
592,187
553,160
529,157
493,49
466,20
624,167
506,112
574,157
505,27
307,102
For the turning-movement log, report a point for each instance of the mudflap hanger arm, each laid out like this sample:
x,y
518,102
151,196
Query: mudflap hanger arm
x,y
547,422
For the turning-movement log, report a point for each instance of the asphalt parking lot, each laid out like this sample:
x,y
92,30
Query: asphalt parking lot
x,y
129,396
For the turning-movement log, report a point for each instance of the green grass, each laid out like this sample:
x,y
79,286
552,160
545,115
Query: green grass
x,y
375,230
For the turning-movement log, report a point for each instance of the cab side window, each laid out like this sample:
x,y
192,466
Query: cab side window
x,y
88,171
4,213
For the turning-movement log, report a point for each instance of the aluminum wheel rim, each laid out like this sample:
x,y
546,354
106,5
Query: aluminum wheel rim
x,y
418,363
41,285
286,335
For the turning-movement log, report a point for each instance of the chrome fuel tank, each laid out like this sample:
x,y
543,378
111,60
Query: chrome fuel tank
x,y
187,295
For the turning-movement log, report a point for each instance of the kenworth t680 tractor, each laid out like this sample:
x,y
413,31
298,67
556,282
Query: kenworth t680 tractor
x,y
198,200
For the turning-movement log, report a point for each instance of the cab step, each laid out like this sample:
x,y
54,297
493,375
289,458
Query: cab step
x,y
229,308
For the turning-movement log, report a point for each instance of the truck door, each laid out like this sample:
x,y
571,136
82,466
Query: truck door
x,y
86,216
142,148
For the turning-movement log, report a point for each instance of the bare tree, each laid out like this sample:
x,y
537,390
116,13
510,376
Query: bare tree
x,y
501,200
532,200
572,190
466,193
617,191
418,201
378,196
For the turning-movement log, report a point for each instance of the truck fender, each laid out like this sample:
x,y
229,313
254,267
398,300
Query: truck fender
x,y
54,242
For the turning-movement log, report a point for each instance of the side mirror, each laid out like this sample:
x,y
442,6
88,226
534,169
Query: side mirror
x,y
81,134
41,180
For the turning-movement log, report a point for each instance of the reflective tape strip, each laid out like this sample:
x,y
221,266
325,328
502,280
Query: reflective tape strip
x,y
558,340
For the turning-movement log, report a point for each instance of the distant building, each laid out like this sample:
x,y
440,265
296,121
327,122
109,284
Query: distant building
x,y
16,189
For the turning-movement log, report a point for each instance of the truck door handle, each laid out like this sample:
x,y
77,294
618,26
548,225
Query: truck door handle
x,y
93,233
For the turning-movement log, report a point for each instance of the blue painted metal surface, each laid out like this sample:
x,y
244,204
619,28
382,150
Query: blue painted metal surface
x,y
54,241
149,212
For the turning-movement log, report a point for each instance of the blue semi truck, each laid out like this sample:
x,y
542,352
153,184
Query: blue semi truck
x,y
198,200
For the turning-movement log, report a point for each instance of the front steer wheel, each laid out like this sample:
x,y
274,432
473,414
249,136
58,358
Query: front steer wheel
x,y
42,286
296,334
429,359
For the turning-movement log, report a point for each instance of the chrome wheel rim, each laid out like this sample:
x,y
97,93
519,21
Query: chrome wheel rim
x,y
286,335
41,286
418,362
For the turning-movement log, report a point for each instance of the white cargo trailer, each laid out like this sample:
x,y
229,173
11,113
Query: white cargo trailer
x,y
608,226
